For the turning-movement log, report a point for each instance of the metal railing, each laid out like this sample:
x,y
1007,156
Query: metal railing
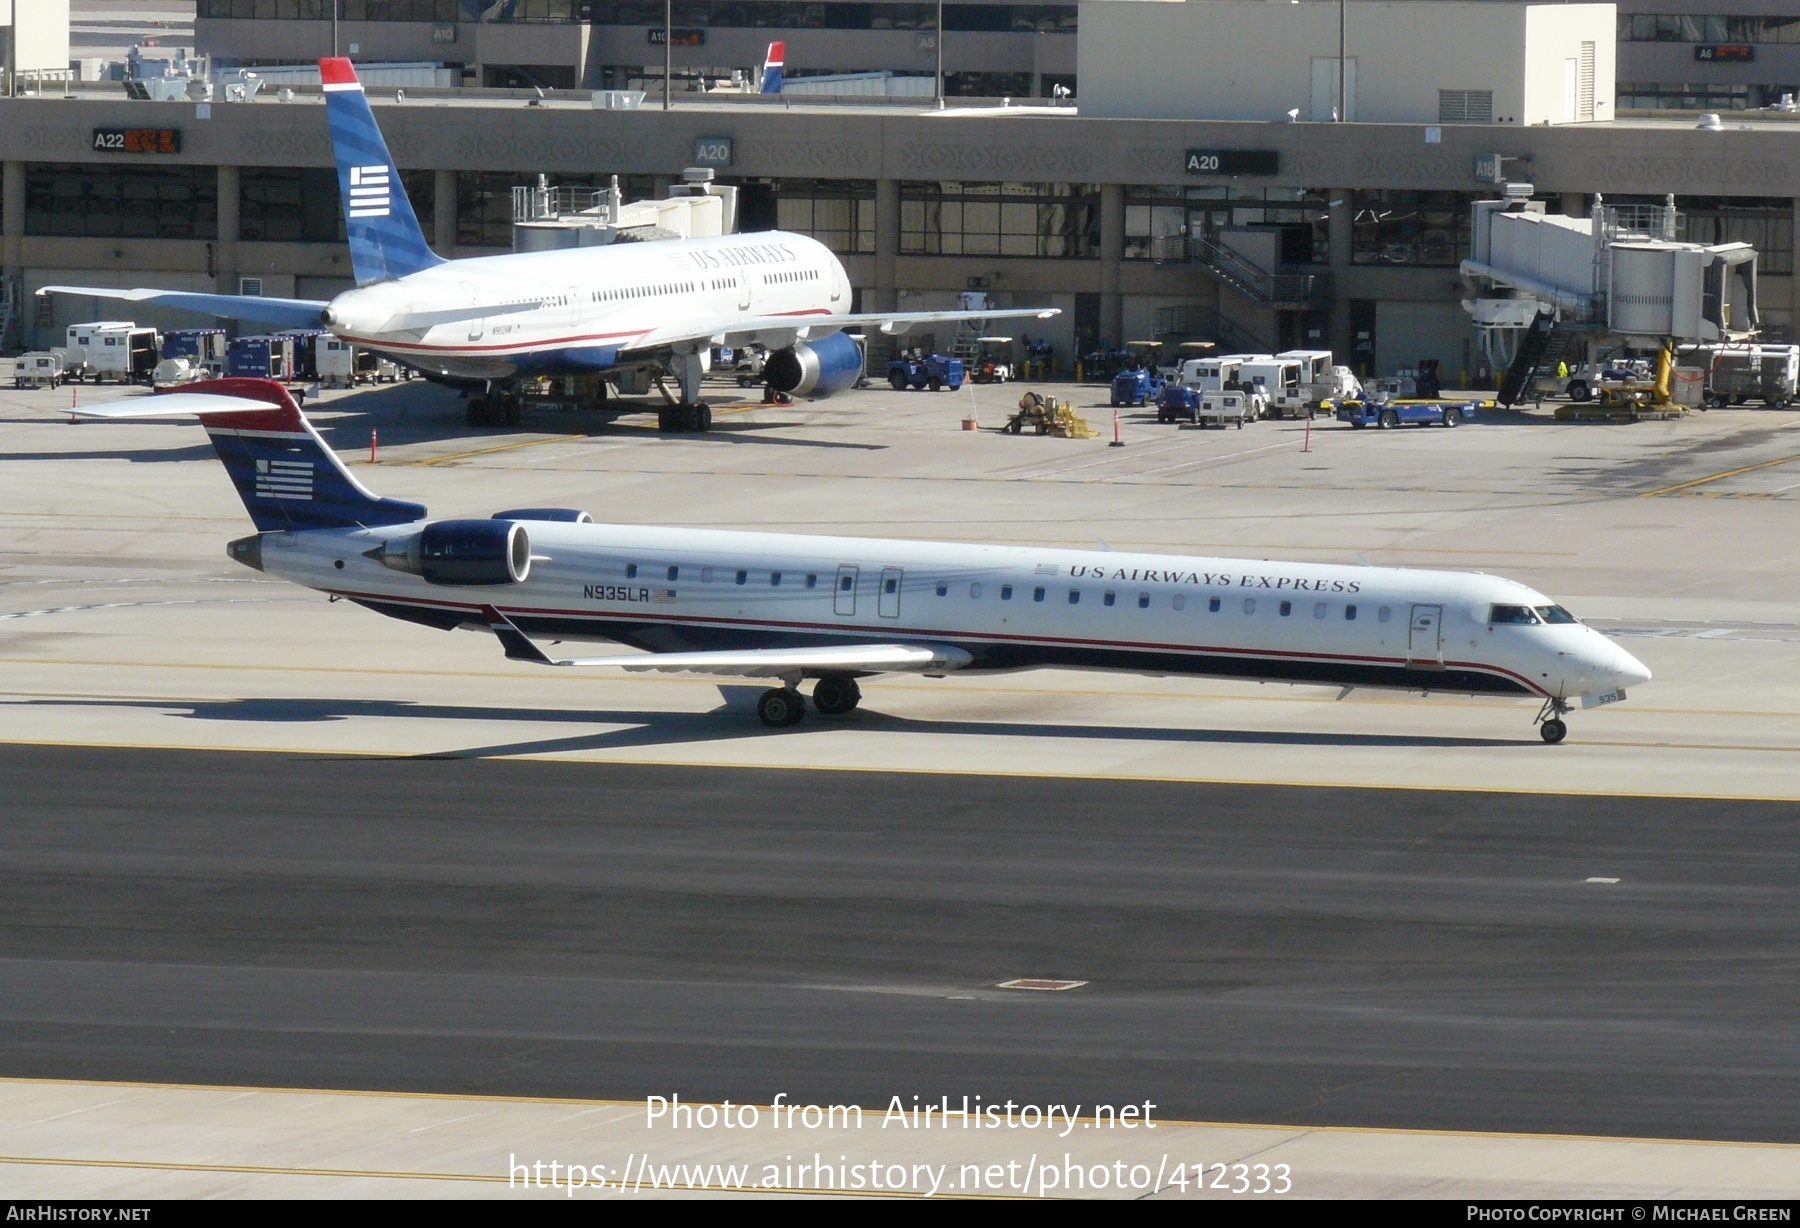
x,y
541,204
1239,272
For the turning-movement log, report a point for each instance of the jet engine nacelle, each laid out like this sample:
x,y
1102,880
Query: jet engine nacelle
x,y
816,368
462,552
562,515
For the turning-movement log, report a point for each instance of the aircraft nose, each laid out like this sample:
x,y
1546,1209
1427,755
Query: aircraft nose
x,y
1630,670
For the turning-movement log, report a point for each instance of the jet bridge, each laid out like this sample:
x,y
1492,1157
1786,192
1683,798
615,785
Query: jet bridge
x,y
1619,273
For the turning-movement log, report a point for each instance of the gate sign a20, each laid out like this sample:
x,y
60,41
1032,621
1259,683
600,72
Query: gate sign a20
x,y
712,151
1233,161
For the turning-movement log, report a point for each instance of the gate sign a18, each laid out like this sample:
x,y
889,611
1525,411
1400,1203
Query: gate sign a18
x,y
1233,161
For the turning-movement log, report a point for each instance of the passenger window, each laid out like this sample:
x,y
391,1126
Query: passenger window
x,y
631,571
706,575
1555,614
892,586
1318,609
1037,594
1074,596
1383,614
974,589
674,573
844,583
1249,605
774,579
743,576
1349,613
812,579
1511,615
1143,601
1287,607
1110,598
1212,607
1006,592
1180,602
942,589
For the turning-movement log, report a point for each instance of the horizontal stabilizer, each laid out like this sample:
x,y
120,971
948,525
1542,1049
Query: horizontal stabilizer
x,y
749,662
283,312
739,330
175,405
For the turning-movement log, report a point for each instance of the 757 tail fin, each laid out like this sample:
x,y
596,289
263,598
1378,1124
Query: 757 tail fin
x,y
284,473
385,239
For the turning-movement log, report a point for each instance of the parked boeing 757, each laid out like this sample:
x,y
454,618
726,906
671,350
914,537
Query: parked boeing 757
x,y
833,610
490,321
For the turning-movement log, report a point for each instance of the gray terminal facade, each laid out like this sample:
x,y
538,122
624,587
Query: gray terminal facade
x,y
1256,235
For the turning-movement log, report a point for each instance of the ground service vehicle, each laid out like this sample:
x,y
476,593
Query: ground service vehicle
x,y
933,371
993,360
1283,382
1405,411
38,369
261,358
1740,373
1136,386
123,353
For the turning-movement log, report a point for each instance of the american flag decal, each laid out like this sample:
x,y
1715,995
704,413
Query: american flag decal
x,y
370,192
284,480
662,596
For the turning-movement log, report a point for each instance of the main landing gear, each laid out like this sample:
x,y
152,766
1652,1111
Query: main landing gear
x,y
1550,723
493,406
784,706
684,419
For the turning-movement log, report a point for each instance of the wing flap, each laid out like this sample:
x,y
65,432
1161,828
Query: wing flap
x,y
749,662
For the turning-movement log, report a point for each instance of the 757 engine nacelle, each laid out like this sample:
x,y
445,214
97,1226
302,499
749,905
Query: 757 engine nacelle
x,y
816,368
462,552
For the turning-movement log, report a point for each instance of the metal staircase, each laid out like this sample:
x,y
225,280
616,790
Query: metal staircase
x,y
12,324
1542,347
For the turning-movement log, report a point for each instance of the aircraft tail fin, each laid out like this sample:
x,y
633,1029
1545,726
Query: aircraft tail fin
x,y
385,239
284,472
772,67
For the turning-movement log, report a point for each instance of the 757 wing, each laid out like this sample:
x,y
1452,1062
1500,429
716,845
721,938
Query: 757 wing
x,y
784,330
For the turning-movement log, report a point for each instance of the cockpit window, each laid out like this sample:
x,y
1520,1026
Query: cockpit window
x,y
1515,615
1555,614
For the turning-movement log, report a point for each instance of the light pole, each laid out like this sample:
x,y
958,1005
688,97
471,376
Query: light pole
x,y
335,6
938,41
1343,81
668,51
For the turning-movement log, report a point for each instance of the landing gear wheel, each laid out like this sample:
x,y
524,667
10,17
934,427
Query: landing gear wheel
x,y
780,708
1553,730
1389,419
1453,416
702,417
836,696
510,412
477,412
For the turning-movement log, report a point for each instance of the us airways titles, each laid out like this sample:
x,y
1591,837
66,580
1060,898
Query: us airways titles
x,y
1217,579
736,257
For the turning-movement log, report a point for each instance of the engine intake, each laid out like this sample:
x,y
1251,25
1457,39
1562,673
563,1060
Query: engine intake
x,y
816,368
463,552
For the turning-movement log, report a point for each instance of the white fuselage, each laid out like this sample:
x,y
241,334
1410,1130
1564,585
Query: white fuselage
x,y
590,303
1010,607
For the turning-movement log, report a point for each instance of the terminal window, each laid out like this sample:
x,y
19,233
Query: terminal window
x,y
1410,228
840,213
160,202
1699,28
1050,220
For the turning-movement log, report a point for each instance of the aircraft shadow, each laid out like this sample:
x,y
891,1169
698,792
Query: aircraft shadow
x,y
199,451
731,722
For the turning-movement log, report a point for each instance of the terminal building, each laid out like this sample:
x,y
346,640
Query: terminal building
x,y
1256,230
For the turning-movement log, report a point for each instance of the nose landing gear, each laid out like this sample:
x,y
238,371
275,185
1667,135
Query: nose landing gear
x,y
1550,723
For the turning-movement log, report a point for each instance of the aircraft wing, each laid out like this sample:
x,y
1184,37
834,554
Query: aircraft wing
x,y
784,330
750,662
286,312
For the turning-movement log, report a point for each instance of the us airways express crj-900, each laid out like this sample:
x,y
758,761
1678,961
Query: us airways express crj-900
x,y
832,610
488,321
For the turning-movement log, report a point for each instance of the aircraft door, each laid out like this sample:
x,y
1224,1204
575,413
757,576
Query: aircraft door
x,y
574,307
743,281
888,603
477,325
1425,639
843,599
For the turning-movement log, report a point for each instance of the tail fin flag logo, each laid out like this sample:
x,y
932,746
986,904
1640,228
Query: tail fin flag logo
x,y
282,479
370,192
772,68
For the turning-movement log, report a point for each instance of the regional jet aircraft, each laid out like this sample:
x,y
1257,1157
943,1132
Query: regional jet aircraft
x,y
832,610
490,321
